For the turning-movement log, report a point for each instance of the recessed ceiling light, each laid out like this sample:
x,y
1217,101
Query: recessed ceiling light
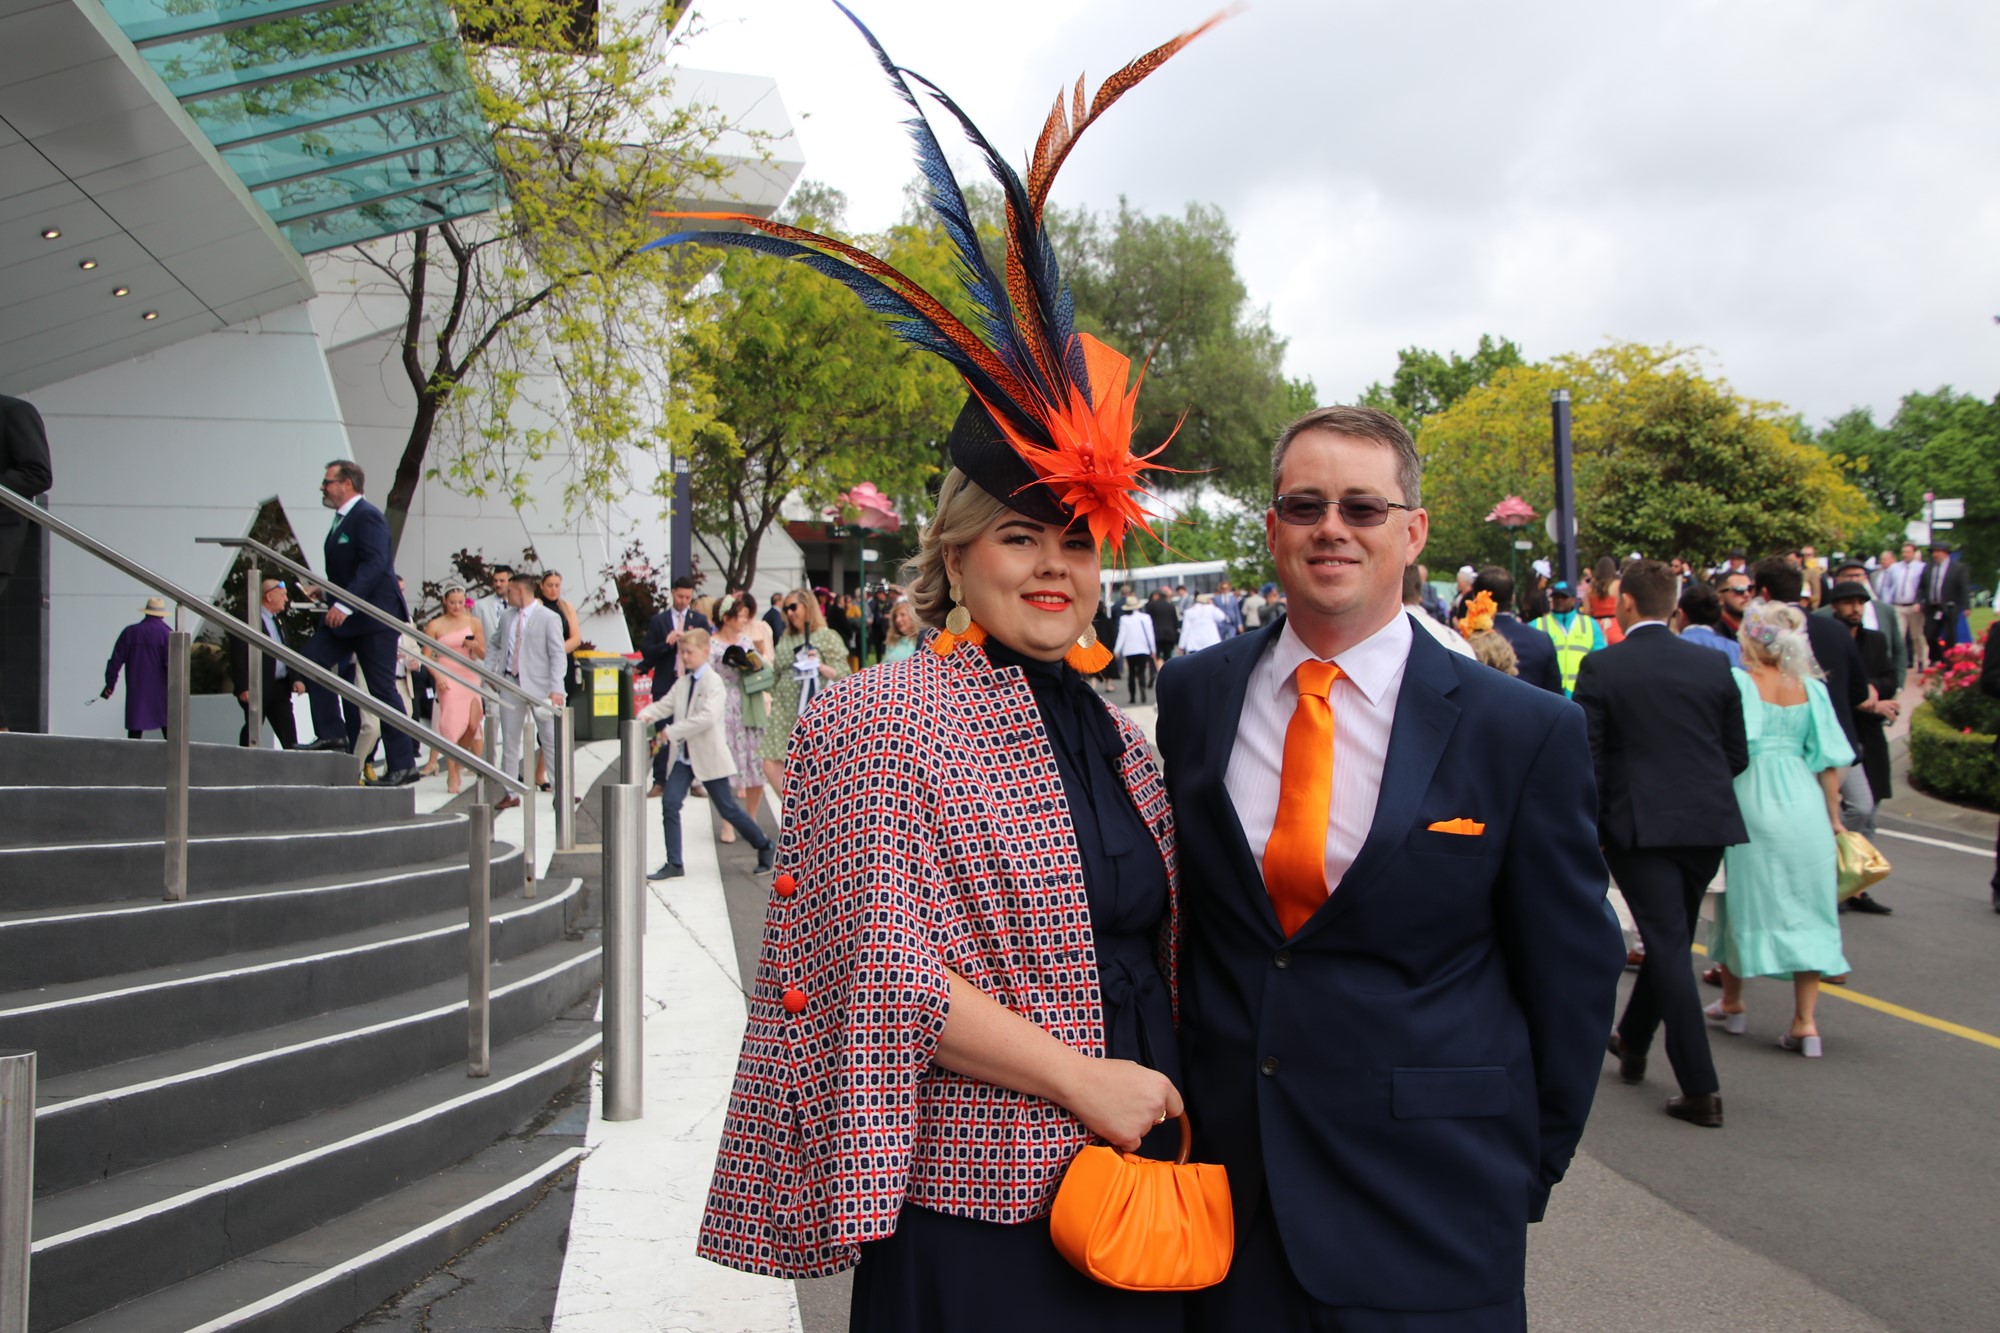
x,y
150,314
121,291
87,264
50,233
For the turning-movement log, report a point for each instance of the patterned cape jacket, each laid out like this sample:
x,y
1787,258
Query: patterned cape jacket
x,y
927,830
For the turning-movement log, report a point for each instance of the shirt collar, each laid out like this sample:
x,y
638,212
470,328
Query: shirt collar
x,y
352,501
1641,624
1373,664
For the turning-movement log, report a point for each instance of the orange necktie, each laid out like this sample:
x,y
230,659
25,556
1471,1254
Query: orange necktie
x,y
1295,857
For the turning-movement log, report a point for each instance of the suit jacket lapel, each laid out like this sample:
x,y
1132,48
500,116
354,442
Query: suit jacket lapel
x,y
1425,719
1240,657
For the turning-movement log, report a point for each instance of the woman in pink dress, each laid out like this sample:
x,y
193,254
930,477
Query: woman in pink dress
x,y
459,710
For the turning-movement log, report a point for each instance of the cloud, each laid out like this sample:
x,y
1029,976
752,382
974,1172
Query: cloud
x,y
1806,190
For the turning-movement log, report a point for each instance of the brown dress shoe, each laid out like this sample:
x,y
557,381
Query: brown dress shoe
x,y
1631,1068
1705,1110
507,802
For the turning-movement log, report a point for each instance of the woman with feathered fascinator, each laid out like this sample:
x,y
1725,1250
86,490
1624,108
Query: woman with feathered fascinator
x,y
968,957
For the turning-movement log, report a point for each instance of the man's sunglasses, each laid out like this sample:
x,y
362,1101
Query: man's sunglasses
x,y
1737,592
1356,511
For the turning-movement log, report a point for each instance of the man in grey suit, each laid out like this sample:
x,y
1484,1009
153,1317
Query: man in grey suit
x,y
531,655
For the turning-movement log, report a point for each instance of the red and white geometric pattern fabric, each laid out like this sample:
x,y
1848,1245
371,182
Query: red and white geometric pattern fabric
x,y
927,828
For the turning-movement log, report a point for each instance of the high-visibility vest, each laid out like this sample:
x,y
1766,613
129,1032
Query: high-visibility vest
x,y
1572,645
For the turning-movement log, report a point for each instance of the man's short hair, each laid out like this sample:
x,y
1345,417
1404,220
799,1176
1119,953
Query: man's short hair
x,y
1497,581
265,588
1413,585
349,471
1701,605
1650,583
1365,423
495,571
1775,577
684,581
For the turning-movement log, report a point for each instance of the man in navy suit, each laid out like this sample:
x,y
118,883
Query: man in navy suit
x,y
1534,650
1397,1076
357,557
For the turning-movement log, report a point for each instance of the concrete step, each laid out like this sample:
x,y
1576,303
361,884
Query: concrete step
x,y
87,871
45,948
79,1025
339,1271
28,760
118,1239
121,1117
61,814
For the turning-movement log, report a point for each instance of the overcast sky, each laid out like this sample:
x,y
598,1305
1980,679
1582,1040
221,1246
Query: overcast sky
x,y
1810,191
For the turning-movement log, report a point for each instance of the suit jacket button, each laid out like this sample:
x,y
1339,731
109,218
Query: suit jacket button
x,y
794,1001
784,886
1283,959
1270,1065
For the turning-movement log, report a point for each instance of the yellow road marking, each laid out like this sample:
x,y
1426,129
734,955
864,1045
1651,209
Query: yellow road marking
x,y
1898,1011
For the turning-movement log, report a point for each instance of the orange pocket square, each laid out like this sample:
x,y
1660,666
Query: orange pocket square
x,y
1471,828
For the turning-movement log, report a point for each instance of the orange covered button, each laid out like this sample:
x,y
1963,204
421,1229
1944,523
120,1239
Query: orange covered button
x,y
784,886
795,1001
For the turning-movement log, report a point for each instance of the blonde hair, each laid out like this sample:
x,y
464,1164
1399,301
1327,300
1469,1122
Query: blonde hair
x,y
804,596
696,639
963,511
895,634
1493,650
1775,634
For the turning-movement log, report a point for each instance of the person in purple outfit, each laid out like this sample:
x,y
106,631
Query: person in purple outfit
x,y
141,653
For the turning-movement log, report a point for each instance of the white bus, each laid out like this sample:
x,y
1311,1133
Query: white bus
x,y
1198,575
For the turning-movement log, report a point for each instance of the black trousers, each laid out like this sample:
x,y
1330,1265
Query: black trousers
x,y
277,716
1139,674
1262,1293
1663,886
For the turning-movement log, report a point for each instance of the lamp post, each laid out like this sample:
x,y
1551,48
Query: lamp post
x,y
860,511
1513,514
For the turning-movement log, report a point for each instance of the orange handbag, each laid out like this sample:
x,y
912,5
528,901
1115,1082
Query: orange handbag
x,y
1145,1225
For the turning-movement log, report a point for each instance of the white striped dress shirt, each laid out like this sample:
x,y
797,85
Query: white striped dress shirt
x,y
1364,708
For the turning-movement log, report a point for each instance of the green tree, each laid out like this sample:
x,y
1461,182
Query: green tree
x,y
1668,461
1427,382
812,393
1943,442
548,309
1221,530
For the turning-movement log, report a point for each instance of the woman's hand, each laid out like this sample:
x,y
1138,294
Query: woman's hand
x,y
1120,1101
1838,827
828,670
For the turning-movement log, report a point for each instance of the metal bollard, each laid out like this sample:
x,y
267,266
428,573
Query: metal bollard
x,y
478,941
632,752
17,1185
624,966
530,741
253,612
179,644
562,779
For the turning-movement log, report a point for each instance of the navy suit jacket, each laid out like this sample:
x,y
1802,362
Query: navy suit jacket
x,y
1408,1075
1534,652
357,557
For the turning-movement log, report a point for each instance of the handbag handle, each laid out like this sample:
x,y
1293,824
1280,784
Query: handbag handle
x,y
1187,1139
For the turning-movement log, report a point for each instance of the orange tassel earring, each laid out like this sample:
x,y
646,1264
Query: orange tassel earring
x,y
1089,656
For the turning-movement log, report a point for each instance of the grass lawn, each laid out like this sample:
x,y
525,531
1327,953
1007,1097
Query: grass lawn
x,y
1980,617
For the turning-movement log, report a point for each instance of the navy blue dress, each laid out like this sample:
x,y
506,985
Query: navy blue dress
x,y
943,1274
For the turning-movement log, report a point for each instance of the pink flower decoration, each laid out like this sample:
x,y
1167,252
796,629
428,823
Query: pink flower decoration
x,y
1512,512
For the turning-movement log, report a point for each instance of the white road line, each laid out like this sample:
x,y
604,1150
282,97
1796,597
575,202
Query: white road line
x,y
538,904
1935,842
215,1187
276,1299
351,1034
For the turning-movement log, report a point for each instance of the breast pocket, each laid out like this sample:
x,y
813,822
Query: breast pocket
x,y
1455,844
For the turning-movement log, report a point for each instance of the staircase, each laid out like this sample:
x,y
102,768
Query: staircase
x,y
253,1111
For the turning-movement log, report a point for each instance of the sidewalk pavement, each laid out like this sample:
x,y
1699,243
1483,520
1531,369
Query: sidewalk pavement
x,y
631,1266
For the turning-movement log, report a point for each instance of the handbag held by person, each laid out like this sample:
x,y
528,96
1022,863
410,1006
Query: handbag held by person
x,y
1145,1225
1859,864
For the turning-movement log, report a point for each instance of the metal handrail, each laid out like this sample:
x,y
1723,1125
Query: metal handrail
x,y
291,657
365,607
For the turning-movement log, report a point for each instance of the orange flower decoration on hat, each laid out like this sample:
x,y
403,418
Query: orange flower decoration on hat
x,y
1478,615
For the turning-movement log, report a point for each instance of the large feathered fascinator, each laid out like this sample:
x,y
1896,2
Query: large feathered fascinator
x,y
1048,428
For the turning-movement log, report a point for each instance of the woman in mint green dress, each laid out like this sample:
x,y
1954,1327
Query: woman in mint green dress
x,y
1777,916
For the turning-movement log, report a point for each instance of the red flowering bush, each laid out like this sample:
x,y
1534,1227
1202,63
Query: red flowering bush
x,y
1951,735
1952,687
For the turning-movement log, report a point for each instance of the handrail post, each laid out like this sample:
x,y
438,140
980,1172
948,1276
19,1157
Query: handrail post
x,y
478,941
179,644
530,743
494,752
632,754
17,1185
562,777
253,615
624,959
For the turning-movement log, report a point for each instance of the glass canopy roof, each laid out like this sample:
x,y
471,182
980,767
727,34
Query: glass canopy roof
x,y
346,119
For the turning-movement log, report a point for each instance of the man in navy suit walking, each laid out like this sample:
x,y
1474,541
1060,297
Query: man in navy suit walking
x,y
1400,965
357,557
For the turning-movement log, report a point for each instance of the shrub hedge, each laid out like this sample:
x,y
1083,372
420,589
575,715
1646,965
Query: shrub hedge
x,y
1951,764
